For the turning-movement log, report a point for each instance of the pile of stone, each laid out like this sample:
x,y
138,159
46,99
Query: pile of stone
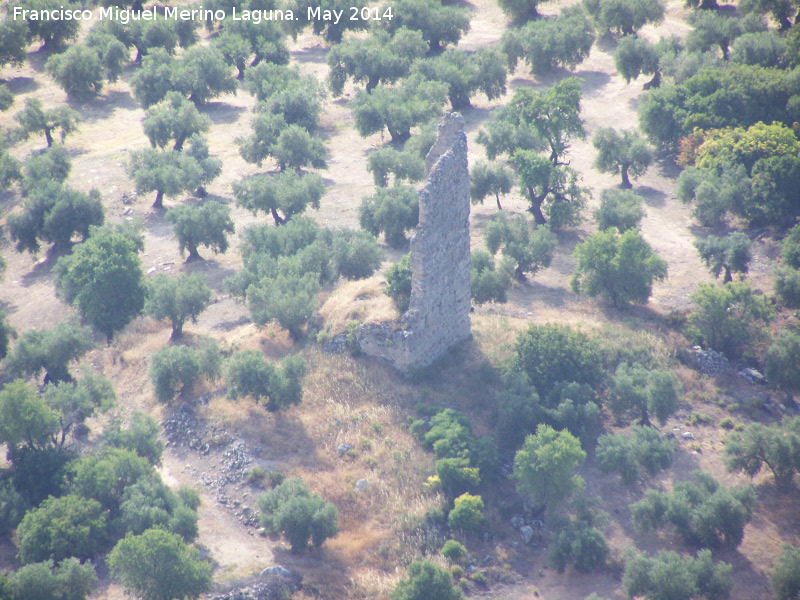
x,y
183,428
709,361
752,376
527,527
275,583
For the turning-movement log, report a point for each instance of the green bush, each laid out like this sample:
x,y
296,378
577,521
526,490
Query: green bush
x,y
173,370
398,282
785,578
454,551
703,513
63,527
467,513
356,254
619,268
621,209
782,360
787,286
298,514
68,580
249,374
142,436
549,354
488,284
426,581
728,318
392,211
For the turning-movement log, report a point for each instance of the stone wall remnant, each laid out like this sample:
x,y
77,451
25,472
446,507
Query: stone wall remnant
x,y
438,314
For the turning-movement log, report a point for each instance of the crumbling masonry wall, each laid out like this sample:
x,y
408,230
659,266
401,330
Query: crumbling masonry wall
x,y
438,315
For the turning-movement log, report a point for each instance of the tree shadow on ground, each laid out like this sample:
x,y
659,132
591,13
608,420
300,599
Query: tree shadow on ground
x,y
222,113
652,197
312,54
103,106
21,85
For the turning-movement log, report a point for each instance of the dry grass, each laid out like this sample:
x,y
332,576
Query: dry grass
x,y
361,300
355,401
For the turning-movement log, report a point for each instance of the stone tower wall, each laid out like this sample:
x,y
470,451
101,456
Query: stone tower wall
x,y
438,315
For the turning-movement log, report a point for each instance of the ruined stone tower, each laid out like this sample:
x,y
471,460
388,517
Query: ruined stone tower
x,y
438,315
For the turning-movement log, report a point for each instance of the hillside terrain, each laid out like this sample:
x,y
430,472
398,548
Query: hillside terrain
x,y
391,509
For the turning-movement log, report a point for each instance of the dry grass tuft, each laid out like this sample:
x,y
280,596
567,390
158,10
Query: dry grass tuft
x,y
363,300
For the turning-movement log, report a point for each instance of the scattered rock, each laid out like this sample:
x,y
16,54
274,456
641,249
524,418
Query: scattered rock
x,y
343,449
688,435
527,533
362,485
337,343
279,570
709,361
752,376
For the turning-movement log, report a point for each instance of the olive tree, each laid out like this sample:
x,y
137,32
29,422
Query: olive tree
x,y
545,466
288,192
489,178
174,119
165,172
466,74
35,119
392,211
406,165
50,350
552,190
54,213
627,155
728,318
439,24
206,225
619,268
636,56
249,374
177,299
528,250
159,565
291,509
413,101
78,71
103,278
547,44
729,254
379,58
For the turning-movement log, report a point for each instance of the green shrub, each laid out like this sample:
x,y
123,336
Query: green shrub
x,y
703,513
173,370
727,423
398,283
426,581
250,374
621,209
63,527
298,514
454,551
728,318
787,286
549,354
467,513
785,578
782,360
